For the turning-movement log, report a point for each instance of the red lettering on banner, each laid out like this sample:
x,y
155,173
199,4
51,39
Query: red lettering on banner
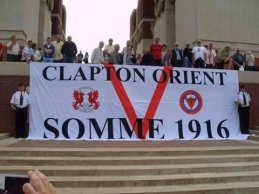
x,y
127,105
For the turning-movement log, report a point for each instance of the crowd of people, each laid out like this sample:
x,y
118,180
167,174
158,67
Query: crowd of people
x,y
57,51
200,56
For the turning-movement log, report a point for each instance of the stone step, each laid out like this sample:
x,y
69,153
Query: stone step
x,y
4,136
215,188
254,132
134,170
253,142
8,141
255,128
150,180
136,160
127,152
254,137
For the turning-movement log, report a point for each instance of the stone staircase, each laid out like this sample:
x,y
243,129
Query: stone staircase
x,y
232,168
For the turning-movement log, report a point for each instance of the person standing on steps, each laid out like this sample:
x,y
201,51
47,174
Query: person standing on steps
x,y
243,99
19,103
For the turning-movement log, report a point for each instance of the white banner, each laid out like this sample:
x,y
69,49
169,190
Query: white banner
x,y
114,102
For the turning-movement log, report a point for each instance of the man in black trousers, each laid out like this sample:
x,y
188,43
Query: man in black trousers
x,y
243,99
19,103
177,56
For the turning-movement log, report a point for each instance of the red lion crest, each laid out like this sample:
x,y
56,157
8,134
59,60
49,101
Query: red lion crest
x,y
79,99
92,99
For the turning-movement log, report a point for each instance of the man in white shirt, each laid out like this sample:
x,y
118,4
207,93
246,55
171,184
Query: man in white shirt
x,y
19,103
243,99
210,57
108,49
13,49
58,56
199,55
27,53
97,54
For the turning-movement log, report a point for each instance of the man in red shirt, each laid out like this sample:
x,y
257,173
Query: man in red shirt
x,y
156,51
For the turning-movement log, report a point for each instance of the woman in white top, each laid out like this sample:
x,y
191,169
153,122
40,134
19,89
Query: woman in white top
x,y
250,60
36,53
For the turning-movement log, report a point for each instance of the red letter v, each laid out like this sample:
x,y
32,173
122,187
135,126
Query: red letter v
x,y
127,105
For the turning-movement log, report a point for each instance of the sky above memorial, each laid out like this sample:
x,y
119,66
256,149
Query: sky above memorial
x,y
90,21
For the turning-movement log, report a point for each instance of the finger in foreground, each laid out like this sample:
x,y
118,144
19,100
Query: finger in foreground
x,y
46,182
28,189
36,182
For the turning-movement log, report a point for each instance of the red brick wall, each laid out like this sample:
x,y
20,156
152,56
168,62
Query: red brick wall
x,y
8,85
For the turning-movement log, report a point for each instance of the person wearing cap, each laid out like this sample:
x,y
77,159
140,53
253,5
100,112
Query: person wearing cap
x,y
243,100
199,55
19,103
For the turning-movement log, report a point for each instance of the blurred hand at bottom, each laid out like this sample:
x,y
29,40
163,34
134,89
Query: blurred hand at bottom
x,y
39,184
